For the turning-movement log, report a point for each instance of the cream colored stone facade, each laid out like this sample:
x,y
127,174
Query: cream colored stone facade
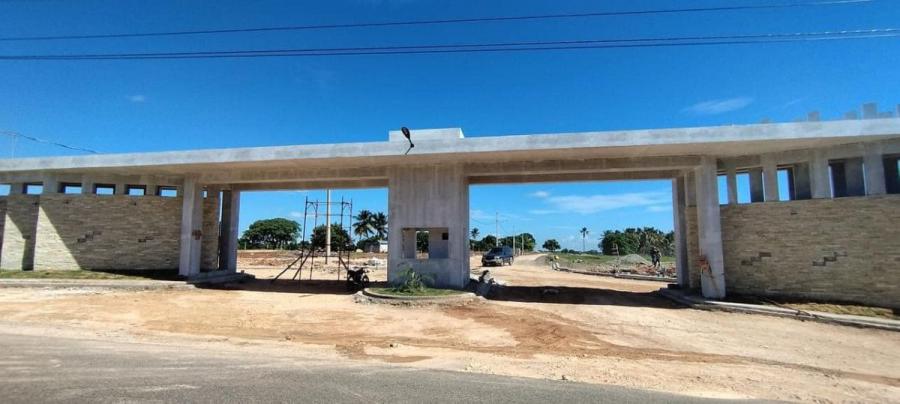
x,y
103,232
843,249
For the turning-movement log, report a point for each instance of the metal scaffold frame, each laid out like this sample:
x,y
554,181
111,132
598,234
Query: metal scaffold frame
x,y
307,252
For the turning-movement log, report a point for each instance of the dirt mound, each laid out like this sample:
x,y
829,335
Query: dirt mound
x,y
634,259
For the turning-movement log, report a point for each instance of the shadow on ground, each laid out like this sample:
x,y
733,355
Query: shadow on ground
x,y
577,295
305,286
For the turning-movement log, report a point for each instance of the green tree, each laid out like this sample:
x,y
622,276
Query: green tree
x,y
551,245
278,233
363,227
340,239
380,225
525,241
584,233
422,241
473,240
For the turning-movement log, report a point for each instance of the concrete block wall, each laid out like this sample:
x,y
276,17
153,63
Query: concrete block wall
x,y
19,228
843,249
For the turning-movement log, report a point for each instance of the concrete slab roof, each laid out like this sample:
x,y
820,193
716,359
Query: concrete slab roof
x,y
720,141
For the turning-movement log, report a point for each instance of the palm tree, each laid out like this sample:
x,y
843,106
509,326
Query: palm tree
x,y
363,226
380,225
474,234
584,232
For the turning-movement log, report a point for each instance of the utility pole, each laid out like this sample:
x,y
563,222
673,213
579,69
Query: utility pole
x,y
327,225
496,228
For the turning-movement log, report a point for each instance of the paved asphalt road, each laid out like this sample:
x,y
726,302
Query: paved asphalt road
x,y
52,369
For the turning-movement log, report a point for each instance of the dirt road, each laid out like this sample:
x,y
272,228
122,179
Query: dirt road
x,y
591,329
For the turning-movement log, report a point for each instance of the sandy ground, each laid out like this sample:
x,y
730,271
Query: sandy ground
x,y
589,329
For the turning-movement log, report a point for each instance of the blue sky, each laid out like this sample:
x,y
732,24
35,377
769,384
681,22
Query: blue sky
x,y
123,106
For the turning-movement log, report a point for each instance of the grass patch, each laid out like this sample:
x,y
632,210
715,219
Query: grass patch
x,y
833,308
82,274
420,292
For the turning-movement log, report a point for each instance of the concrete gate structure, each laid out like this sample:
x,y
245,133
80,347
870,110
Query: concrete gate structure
x,y
838,238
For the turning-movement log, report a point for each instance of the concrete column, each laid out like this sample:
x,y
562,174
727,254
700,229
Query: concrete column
x,y
17,188
87,185
228,244
873,163
819,181
770,179
690,189
50,183
853,175
191,228
121,188
712,280
756,185
681,250
731,182
327,225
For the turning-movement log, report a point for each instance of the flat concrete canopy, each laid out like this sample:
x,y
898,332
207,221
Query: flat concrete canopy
x,y
567,156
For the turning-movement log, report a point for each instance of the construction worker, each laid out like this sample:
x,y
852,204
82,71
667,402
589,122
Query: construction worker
x,y
655,257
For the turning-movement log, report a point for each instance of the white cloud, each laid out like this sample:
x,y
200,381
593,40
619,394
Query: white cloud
x,y
137,98
588,204
297,214
480,215
539,194
714,107
659,208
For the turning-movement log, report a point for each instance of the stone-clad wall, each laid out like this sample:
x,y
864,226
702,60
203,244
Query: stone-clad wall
x,y
844,249
101,232
20,221
108,232
693,246
209,246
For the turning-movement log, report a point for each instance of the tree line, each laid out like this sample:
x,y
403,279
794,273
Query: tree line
x,y
630,241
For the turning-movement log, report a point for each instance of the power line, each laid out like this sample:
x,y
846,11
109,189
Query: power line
x,y
433,22
16,135
484,47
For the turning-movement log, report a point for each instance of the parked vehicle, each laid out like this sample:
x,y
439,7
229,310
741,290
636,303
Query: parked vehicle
x,y
357,278
497,256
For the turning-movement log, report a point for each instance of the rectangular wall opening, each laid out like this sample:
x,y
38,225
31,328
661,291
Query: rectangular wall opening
x,y
104,189
136,190
892,174
743,187
34,188
167,191
426,243
786,184
69,188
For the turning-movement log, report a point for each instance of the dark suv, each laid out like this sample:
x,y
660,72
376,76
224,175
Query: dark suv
x,y
497,256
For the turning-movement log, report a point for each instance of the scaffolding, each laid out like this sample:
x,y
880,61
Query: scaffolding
x,y
307,250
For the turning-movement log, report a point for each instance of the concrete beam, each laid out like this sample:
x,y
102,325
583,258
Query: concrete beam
x,y
873,162
573,177
593,165
300,185
712,279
